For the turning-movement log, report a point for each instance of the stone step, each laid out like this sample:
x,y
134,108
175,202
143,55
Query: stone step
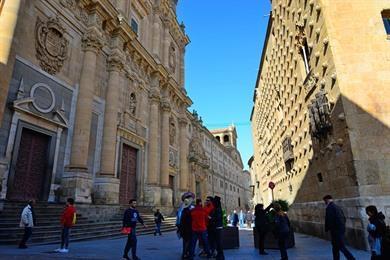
x,y
83,236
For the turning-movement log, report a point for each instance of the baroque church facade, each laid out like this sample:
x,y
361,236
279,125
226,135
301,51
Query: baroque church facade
x,y
320,118
93,105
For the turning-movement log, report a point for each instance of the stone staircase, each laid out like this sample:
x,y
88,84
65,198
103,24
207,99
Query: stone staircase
x,y
48,229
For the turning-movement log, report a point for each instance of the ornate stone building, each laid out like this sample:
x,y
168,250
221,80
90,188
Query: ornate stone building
x,y
321,113
93,104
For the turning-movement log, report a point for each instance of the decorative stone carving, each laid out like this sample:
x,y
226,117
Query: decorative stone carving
x,y
172,131
76,9
197,155
309,84
319,115
92,40
115,61
133,104
43,98
172,58
172,158
50,44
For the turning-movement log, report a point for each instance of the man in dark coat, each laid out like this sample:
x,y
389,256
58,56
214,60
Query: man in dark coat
x,y
130,219
261,223
158,219
335,223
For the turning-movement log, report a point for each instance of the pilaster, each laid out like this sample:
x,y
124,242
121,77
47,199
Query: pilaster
x,y
164,173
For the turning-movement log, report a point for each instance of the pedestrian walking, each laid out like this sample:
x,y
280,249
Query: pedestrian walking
x,y
158,219
68,219
183,223
241,218
248,218
130,219
376,230
235,218
27,221
216,223
282,228
261,225
335,223
199,228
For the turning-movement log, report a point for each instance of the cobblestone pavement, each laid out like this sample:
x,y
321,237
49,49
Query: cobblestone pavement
x,y
168,246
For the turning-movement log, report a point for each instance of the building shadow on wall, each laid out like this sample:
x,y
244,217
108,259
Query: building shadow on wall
x,y
353,176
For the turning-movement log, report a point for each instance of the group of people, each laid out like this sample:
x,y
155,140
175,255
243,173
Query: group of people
x,y
203,223
67,220
242,219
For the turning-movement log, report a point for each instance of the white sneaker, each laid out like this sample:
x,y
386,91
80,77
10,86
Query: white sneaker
x,y
58,250
64,250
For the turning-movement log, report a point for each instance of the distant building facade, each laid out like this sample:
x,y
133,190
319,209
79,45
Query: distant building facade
x,y
320,119
93,105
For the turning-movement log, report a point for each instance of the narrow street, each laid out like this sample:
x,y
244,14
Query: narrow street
x,y
169,247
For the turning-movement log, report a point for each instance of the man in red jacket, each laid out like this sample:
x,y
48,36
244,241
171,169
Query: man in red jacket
x,y
68,219
199,219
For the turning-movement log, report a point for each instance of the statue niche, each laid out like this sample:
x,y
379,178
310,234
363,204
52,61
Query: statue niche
x,y
133,104
172,131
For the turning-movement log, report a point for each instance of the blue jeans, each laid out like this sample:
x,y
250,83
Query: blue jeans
x,y
158,229
202,236
131,243
65,237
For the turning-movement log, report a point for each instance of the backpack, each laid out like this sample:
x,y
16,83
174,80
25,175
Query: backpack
x,y
386,243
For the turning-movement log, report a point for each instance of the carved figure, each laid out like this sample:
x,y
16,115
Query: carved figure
x,y
172,131
133,104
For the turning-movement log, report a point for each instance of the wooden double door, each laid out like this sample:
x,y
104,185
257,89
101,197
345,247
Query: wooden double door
x,y
128,175
30,178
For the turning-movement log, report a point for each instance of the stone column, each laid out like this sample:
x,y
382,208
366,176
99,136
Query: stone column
x,y
106,188
182,67
166,192
152,189
156,36
183,155
77,179
166,46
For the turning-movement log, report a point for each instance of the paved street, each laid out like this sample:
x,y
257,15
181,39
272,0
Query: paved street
x,y
169,247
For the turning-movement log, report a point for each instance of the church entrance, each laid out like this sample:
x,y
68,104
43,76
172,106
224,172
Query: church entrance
x,y
128,175
30,177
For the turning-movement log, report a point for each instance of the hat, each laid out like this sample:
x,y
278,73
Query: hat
x,y
187,195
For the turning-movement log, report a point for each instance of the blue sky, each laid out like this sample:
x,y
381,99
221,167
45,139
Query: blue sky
x,y
222,61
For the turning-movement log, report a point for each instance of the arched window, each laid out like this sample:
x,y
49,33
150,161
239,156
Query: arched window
x,y
225,138
218,138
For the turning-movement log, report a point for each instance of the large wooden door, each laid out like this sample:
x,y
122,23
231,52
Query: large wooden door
x,y
128,175
31,167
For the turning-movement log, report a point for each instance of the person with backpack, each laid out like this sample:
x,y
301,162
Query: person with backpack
x,y
335,223
282,229
376,230
158,219
130,219
27,221
68,219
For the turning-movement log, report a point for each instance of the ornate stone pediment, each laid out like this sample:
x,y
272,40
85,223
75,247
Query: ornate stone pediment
x,y
197,154
51,44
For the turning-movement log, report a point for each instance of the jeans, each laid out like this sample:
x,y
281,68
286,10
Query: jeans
x,y
203,237
131,243
218,244
158,229
339,245
27,234
65,237
282,237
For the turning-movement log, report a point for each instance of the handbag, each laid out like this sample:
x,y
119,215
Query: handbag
x,y
126,230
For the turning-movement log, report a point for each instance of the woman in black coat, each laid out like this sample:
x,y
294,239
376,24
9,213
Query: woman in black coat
x,y
261,223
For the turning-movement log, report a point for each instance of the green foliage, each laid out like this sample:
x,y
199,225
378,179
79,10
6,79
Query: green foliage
x,y
224,218
283,204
